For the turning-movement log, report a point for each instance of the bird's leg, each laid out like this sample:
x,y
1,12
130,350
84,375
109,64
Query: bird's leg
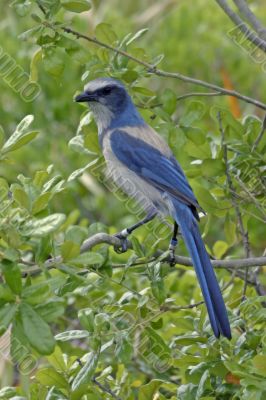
x,y
127,231
173,244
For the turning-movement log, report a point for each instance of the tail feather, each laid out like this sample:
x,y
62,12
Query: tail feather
x,y
205,273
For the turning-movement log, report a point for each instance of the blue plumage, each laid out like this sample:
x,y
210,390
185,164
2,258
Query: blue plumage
x,y
152,165
142,165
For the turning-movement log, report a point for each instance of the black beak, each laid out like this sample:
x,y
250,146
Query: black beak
x,y
85,97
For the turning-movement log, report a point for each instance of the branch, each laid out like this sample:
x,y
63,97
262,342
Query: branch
x,y
260,135
251,18
101,238
183,97
200,94
251,36
41,7
252,197
244,234
105,389
179,308
153,70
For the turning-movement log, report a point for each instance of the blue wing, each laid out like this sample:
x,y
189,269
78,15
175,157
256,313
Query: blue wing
x,y
153,166
163,172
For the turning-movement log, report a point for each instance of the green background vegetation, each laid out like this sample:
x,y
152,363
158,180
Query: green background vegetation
x,y
89,329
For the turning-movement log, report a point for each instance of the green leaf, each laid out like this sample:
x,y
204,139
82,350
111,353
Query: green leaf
x,y
143,90
230,231
50,377
194,134
158,344
55,394
197,151
211,167
17,140
20,196
235,128
69,250
25,123
53,60
81,171
87,371
105,33
20,137
136,36
76,234
168,99
157,282
36,294
57,360
259,362
51,310
77,6
36,329
86,318
72,335
43,226
194,112
20,347
187,392
137,246
41,202
7,313
12,276
123,349
205,199
36,59
22,7
5,294
202,383
158,290
102,322
189,339
8,392
2,136
149,391
77,144
220,248
88,258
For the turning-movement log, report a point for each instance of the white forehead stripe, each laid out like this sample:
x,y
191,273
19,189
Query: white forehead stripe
x,y
100,83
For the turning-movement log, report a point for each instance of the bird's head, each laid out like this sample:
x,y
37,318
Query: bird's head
x,y
104,94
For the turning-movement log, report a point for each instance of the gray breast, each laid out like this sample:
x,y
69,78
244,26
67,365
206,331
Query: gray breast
x,y
130,183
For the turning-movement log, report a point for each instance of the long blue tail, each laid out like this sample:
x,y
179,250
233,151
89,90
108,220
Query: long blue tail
x,y
204,270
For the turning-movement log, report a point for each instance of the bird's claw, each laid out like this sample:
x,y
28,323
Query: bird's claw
x,y
172,248
122,248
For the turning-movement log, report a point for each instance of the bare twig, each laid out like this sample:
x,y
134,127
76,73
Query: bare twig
x,y
260,135
243,232
105,389
153,70
179,308
200,94
242,26
251,18
41,7
251,196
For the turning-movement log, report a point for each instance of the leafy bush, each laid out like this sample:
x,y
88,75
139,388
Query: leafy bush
x,y
78,320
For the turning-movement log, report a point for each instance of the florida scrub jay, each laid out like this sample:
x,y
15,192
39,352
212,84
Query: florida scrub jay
x,y
135,153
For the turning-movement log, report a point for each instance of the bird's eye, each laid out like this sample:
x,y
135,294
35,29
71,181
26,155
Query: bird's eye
x,y
106,91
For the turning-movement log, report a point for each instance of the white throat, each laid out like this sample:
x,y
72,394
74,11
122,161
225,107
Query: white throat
x,y
102,114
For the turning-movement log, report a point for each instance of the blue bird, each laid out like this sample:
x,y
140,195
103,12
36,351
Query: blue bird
x,y
143,166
